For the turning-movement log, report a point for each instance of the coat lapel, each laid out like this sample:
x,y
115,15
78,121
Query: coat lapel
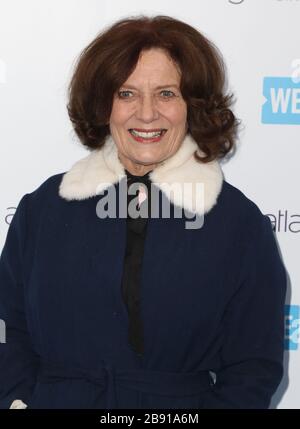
x,y
187,183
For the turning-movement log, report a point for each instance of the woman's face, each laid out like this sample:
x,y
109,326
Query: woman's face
x,y
149,100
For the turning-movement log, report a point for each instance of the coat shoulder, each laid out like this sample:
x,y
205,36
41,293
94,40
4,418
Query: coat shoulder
x,y
45,199
48,189
243,210
238,199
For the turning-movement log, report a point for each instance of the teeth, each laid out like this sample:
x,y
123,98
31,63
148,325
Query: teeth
x,y
146,134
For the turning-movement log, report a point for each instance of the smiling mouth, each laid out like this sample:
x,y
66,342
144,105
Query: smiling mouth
x,y
144,134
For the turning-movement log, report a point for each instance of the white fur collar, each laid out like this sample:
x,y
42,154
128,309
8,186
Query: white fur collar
x,y
102,168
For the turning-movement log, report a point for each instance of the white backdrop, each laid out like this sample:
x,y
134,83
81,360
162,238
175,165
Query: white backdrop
x,y
260,39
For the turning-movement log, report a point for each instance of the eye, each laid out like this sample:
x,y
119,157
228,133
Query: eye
x,y
168,94
124,94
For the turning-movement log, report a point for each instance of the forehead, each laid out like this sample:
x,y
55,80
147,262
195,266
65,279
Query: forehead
x,y
153,66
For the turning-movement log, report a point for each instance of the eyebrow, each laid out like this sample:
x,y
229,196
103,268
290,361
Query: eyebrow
x,y
157,87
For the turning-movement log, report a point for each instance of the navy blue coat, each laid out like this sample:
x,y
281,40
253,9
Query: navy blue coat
x,y
212,298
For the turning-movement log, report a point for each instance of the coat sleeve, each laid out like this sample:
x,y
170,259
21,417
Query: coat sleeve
x,y
253,327
18,361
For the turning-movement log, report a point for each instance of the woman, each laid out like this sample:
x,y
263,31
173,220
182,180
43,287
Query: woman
x,y
178,309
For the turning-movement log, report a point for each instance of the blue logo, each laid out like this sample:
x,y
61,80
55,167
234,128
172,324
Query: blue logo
x,y
292,323
282,104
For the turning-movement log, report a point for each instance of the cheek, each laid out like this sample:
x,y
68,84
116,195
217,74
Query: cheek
x,y
176,115
119,115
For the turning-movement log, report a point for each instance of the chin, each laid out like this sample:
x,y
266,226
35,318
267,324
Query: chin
x,y
146,161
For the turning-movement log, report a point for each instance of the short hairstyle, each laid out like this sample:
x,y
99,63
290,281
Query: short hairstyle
x,y
106,63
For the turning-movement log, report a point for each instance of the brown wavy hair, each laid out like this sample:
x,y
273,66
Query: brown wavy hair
x,y
106,63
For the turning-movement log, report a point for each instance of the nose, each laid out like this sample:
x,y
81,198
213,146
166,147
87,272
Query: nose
x,y
146,109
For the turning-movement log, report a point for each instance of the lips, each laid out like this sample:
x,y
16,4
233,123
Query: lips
x,y
147,135
152,130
